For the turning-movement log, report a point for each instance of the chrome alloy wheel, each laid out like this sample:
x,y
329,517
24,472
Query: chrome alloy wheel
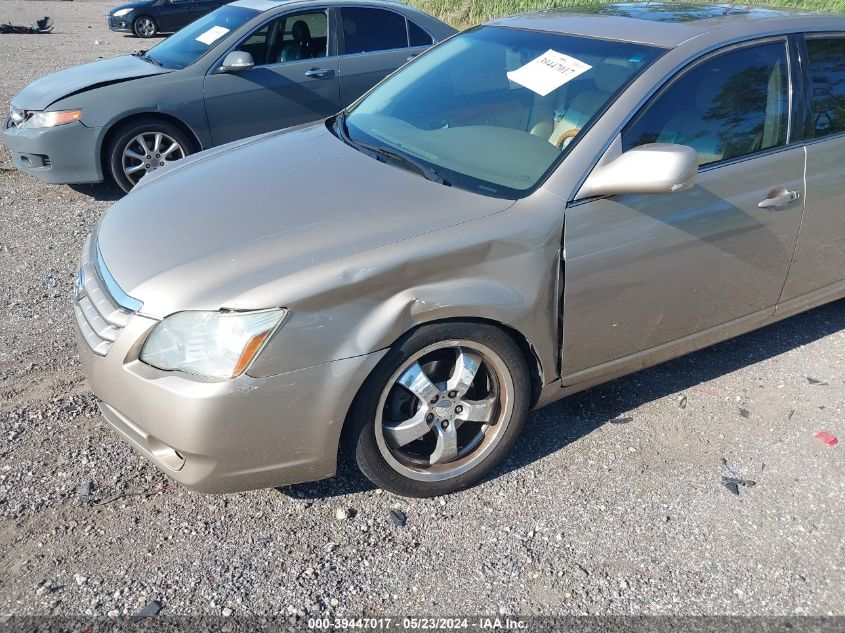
x,y
145,27
444,410
147,152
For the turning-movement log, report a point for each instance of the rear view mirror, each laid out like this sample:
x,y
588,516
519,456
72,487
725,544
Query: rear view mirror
x,y
648,169
237,61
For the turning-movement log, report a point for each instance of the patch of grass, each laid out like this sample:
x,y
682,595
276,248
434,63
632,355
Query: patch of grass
x,y
466,13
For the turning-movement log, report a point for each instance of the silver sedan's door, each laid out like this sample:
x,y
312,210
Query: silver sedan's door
x,y
294,81
646,270
374,43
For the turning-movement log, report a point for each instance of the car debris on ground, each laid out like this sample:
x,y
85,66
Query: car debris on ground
x,y
733,481
827,438
41,27
151,609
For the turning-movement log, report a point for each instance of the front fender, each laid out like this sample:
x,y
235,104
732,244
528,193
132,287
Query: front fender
x,y
502,268
175,95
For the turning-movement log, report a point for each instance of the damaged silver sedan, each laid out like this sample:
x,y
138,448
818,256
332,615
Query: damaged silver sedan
x,y
531,208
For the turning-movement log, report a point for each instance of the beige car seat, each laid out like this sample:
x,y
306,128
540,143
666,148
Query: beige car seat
x,y
551,117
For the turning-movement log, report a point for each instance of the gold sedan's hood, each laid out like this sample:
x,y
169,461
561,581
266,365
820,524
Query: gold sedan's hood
x,y
224,229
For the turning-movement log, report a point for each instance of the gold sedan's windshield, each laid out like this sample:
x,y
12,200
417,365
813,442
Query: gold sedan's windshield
x,y
494,109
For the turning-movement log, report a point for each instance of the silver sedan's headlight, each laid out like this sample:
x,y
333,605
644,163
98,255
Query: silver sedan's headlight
x,y
52,119
210,344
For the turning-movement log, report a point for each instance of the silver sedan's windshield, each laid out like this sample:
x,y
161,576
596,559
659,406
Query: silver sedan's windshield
x,y
494,109
185,47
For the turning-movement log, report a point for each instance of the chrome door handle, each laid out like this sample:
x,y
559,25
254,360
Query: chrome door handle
x,y
779,198
319,72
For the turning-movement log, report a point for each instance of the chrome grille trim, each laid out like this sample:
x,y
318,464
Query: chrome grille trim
x,y
99,313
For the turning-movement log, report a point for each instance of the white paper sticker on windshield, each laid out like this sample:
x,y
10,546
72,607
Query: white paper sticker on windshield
x,y
548,72
212,35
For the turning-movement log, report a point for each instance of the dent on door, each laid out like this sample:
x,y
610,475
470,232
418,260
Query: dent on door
x,y
645,270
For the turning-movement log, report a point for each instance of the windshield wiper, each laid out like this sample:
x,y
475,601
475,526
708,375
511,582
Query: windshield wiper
x,y
427,172
424,170
143,55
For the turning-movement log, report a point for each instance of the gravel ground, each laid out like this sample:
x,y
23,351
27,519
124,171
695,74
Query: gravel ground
x,y
611,504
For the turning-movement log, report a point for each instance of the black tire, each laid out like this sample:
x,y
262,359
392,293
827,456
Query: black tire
x,y
361,436
127,132
138,25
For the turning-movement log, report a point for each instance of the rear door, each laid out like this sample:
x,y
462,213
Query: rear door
x,y
174,14
374,43
647,270
820,254
294,80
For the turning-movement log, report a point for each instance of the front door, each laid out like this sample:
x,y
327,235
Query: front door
x,y
645,270
294,80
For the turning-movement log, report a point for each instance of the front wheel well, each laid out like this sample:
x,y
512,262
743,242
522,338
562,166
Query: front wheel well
x,y
532,359
118,126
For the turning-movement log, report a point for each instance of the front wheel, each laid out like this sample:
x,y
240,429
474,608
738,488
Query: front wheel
x,y
144,146
442,409
144,26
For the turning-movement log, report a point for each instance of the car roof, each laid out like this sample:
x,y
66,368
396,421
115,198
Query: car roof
x,y
669,24
267,5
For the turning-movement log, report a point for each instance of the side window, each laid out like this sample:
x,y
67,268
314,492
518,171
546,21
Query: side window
x,y
257,44
369,30
730,106
827,72
290,38
417,36
305,36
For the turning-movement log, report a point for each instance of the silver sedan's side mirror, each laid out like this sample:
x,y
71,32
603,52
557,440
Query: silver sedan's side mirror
x,y
237,61
653,168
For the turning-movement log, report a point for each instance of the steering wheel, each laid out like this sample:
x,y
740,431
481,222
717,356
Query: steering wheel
x,y
566,136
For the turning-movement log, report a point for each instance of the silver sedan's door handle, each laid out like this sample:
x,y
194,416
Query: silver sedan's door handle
x,y
779,198
319,72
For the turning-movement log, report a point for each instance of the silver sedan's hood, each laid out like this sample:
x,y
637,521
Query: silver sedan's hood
x,y
226,231
41,93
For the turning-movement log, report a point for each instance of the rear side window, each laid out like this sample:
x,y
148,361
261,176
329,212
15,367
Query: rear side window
x,y
730,106
369,30
417,36
827,72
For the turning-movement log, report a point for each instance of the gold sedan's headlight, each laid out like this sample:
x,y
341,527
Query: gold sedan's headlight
x,y
210,344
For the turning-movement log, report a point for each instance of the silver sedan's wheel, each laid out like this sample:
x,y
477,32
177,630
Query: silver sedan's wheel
x,y
145,27
444,410
441,410
147,152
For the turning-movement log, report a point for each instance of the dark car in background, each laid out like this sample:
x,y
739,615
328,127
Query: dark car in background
x,y
148,18
250,67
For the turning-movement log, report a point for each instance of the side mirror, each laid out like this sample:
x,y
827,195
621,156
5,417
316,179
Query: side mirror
x,y
649,169
237,61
